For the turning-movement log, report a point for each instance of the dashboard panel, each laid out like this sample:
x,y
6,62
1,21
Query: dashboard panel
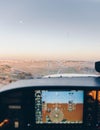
x,y
70,106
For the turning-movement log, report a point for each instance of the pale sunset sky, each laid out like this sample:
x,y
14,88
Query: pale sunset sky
x,y
50,29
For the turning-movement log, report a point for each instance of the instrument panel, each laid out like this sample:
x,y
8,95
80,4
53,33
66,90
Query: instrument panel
x,y
60,105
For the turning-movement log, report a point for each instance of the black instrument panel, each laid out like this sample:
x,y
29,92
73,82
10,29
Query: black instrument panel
x,y
69,106
28,108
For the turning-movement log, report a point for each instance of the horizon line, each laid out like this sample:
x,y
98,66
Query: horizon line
x,y
23,59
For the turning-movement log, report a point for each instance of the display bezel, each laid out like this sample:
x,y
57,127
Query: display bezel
x,y
62,90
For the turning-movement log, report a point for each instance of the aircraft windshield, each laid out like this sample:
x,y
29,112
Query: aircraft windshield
x,y
39,38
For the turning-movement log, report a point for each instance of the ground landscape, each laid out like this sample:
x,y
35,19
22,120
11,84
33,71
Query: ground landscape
x,y
13,70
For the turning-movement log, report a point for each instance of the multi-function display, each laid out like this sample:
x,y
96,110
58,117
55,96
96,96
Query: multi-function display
x,y
59,107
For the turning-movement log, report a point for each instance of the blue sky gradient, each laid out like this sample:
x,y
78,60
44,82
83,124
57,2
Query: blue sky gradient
x,y
50,29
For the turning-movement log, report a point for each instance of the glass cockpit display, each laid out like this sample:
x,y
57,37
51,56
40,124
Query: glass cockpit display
x,y
59,106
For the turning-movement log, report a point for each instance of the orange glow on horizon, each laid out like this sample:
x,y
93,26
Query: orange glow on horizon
x,y
52,56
